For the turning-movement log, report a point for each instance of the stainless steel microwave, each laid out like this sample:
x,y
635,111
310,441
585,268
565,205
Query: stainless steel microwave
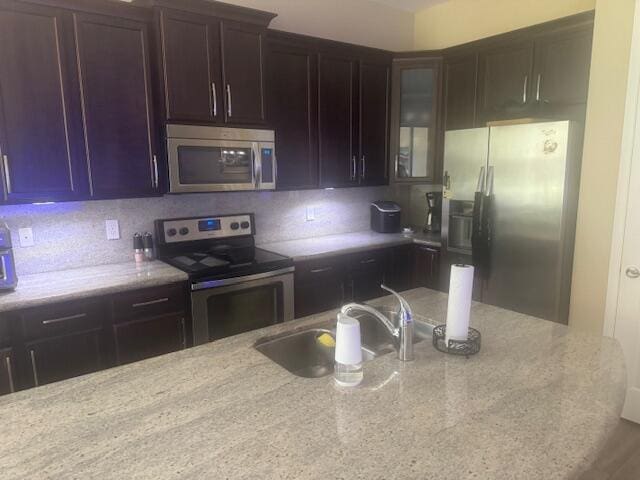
x,y
218,159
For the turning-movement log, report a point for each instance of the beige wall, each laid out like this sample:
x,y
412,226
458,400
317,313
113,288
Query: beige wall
x,y
603,135
460,21
355,21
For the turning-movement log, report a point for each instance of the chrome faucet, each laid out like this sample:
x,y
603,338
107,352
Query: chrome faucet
x,y
402,333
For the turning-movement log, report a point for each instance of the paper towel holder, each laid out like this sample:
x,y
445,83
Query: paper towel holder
x,y
467,347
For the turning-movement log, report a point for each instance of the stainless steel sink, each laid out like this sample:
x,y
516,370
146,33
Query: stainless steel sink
x,y
302,354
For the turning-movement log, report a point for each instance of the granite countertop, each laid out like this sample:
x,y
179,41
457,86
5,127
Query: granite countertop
x,y
327,245
537,402
72,284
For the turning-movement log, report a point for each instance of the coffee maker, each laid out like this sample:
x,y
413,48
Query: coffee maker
x,y
8,277
434,212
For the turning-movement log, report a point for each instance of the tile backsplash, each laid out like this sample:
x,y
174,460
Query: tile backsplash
x,y
70,235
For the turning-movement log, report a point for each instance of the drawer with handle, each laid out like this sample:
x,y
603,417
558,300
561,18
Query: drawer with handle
x,y
370,260
313,270
149,302
63,318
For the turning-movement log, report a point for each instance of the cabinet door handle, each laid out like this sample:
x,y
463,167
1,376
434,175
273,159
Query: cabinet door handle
x,y
32,354
229,109
64,319
368,260
155,171
363,173
150,302
7,174
214,97
321,270
354,168
430,250
538,82
7,360
524,89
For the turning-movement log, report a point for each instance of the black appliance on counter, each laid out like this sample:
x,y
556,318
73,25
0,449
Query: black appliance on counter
x,y
434,212
385,217
235,287
8,276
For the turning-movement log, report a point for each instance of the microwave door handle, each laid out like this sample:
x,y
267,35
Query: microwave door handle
x,y
256,165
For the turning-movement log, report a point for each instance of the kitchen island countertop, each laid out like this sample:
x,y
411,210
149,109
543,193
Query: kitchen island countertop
x,y
537,402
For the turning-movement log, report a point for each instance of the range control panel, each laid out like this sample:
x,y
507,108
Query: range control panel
x,y
204,228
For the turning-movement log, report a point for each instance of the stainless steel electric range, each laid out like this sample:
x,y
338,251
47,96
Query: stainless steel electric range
x,y
235,287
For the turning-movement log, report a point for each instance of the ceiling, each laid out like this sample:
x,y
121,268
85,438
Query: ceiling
x,y
409,5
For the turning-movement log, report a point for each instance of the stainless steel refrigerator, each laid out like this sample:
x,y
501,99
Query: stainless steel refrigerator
x,y
510,203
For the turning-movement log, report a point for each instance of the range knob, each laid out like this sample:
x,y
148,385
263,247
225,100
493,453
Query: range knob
x,y
245,225
184,231
235,226
172,232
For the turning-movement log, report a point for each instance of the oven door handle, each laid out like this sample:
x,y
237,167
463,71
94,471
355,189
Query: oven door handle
x,y
235,280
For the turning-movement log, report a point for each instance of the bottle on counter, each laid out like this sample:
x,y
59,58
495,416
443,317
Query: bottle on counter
x,y
147,243
348,359
138,248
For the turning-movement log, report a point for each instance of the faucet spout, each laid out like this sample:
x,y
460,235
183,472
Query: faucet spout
x,y
402,334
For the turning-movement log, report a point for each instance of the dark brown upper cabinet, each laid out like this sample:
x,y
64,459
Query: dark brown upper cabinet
x,y
561,73
460,80
76,115
337,122
505,82
41,139
292,103
353,106
192,67
211,57
415,119
242,71
374,122
117,105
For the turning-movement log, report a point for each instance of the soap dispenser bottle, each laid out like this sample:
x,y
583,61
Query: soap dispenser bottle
x,y
348,358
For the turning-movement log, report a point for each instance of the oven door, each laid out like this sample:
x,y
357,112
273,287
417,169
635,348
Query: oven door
x,y
197,165
228,307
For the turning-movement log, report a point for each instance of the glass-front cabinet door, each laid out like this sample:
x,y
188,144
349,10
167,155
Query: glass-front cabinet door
x,y
415,122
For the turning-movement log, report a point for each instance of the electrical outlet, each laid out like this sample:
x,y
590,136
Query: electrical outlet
x,y
26,237
311,214
113,229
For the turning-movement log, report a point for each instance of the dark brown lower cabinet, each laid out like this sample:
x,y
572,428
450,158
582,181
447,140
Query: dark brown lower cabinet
x,y
367,271
399,276
329,283
7,371
62,340
319,286
58,358
149,337
426,266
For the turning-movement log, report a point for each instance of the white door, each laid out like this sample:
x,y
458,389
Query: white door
x,y
622,318
627,325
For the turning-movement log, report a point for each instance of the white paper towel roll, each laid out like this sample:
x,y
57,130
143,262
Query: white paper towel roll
x,y
459,307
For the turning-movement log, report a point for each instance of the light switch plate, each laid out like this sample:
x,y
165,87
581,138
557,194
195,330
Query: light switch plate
x,y
113,229
311,214
26,237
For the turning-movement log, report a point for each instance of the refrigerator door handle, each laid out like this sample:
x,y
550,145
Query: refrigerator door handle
x,y
481,185
489,190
